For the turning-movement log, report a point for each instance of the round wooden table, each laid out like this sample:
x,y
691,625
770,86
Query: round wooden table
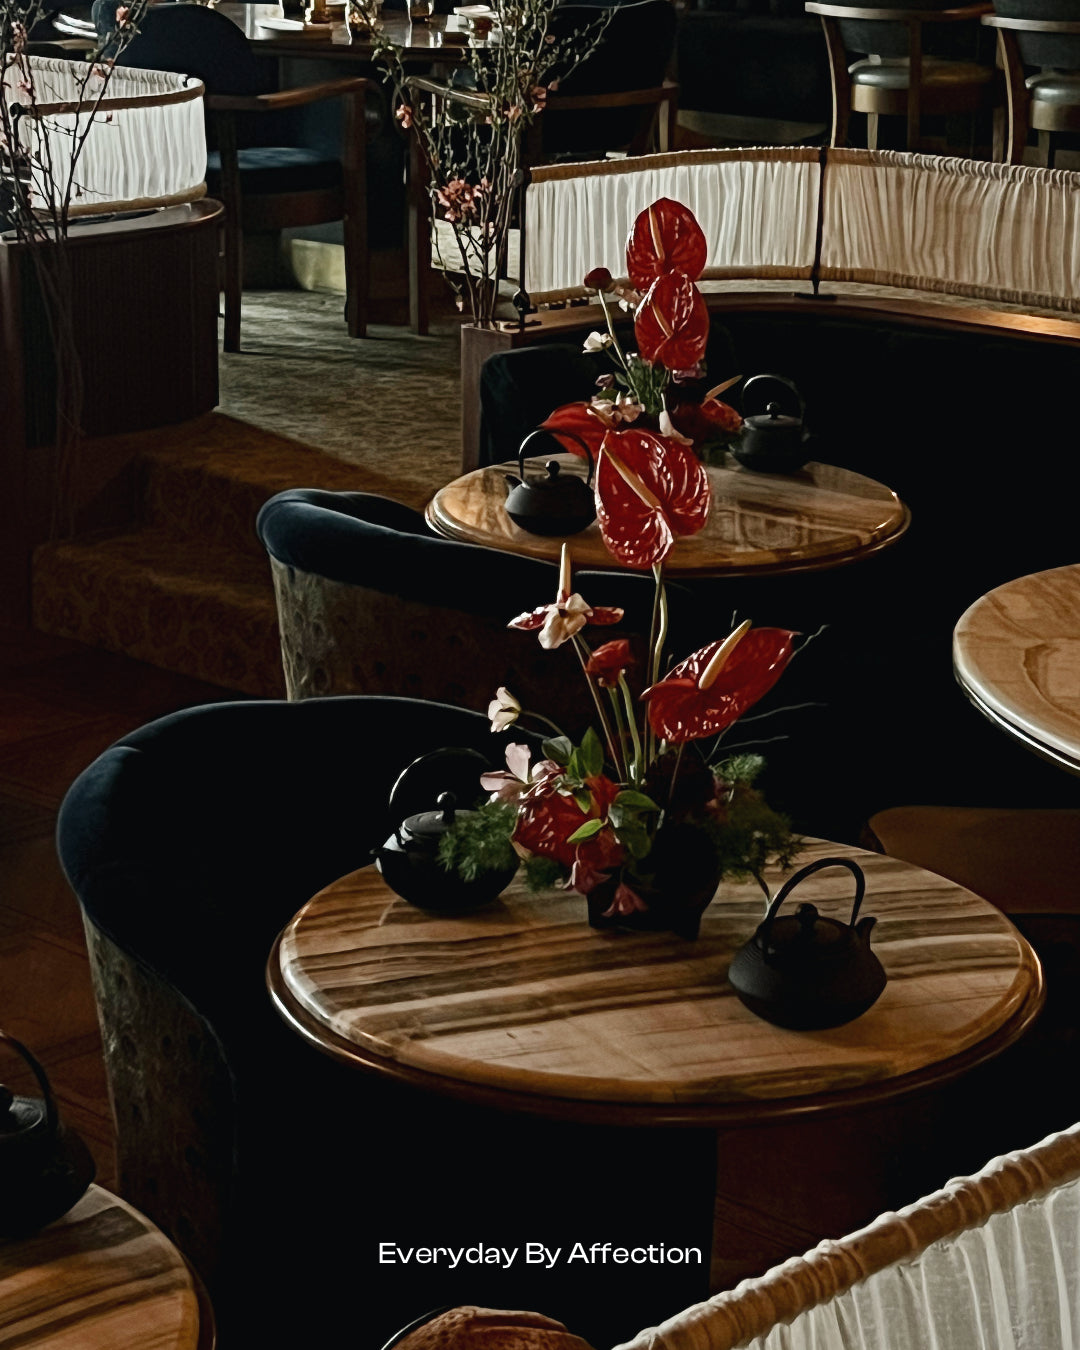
x,y
102,1277
1016,654
820,517
523,1007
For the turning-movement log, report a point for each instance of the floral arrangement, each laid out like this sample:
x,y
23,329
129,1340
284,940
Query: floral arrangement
x,y
661,386
471,134
647,814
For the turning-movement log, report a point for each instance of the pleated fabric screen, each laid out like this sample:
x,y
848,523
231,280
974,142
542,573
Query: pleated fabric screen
x,y
948,226
991,1260
145,141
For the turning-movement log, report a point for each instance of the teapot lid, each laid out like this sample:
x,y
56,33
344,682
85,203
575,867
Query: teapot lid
x,y
427,825
556,487
806,936
774,419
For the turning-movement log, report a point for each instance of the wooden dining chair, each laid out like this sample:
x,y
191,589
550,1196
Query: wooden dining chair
x,y
1040,55
260,167
900,76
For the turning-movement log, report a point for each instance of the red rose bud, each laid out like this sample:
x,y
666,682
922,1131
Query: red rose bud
x,y
599,279
608,662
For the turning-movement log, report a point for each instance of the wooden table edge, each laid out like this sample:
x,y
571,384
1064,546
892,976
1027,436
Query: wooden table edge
x,y
820,562
1001,719
700,1115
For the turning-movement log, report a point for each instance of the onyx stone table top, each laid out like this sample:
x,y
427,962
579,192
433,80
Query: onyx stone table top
x,y
100,1278
524,1000
1016,653
759,523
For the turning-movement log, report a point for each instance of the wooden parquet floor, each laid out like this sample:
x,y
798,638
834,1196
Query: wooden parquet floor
x,y
61,704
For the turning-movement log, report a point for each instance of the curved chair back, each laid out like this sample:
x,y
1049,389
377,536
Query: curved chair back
x,y
366,594
990,1260
633,53
192,40
882,38
190,843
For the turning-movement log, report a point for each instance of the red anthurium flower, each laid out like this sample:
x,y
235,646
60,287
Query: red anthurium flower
x,y
672,323
702,421
648,490
711,689
608,662
576,422
665,238
599,279
547,818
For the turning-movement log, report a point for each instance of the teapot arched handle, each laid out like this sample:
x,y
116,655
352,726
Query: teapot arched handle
x,y
785,890
542,431
52,1119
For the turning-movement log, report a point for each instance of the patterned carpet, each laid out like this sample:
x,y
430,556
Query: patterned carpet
x,y
389,404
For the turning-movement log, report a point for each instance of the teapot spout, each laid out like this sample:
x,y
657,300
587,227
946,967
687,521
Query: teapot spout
x,y
863,927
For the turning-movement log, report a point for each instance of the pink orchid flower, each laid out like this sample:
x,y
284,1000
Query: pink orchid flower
x,y
508,784
564,619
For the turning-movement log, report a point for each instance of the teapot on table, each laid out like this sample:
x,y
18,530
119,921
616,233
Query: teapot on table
x,y
409,859
807,972
774,437
44,1166
558,504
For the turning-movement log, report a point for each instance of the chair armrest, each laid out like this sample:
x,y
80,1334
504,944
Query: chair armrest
x,y
285,98
1032,25
467,98
961,15
627,98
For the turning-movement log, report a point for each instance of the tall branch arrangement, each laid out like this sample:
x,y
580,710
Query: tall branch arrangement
x,y
471,134
38,187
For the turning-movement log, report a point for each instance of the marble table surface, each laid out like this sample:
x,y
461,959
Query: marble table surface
x,y
102,1277
1016,653
523,998
759,523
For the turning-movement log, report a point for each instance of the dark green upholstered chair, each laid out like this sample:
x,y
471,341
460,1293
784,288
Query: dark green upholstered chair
x,y
371,601
190,843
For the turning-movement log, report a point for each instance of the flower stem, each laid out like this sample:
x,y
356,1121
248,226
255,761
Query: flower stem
x,y
620,725
583,655
658,631
615,341
637,770
539,717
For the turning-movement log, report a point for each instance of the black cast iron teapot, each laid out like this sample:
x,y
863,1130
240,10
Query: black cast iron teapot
x,y
774,438
807,972
556,504
409,860
44,1166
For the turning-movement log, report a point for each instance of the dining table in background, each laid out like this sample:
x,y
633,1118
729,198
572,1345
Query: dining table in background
x,y
759,523
102,1277
1016,655
521,1007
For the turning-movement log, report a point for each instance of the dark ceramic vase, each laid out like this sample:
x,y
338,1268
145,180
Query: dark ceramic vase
x,y
681,875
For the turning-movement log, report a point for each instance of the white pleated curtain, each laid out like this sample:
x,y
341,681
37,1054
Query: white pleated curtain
x,y
992,1262
146,143
947,226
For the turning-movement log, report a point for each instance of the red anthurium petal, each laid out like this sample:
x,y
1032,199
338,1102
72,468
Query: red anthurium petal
x,y
672,323
639,526
576,420
546,820
680,711
665,238
634,532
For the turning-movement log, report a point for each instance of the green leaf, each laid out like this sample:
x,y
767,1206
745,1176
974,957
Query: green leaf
x,y
583,797
635,801
559,749
586,831
591,755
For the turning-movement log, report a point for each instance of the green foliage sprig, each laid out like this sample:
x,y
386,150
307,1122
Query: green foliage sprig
x,y
479,841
